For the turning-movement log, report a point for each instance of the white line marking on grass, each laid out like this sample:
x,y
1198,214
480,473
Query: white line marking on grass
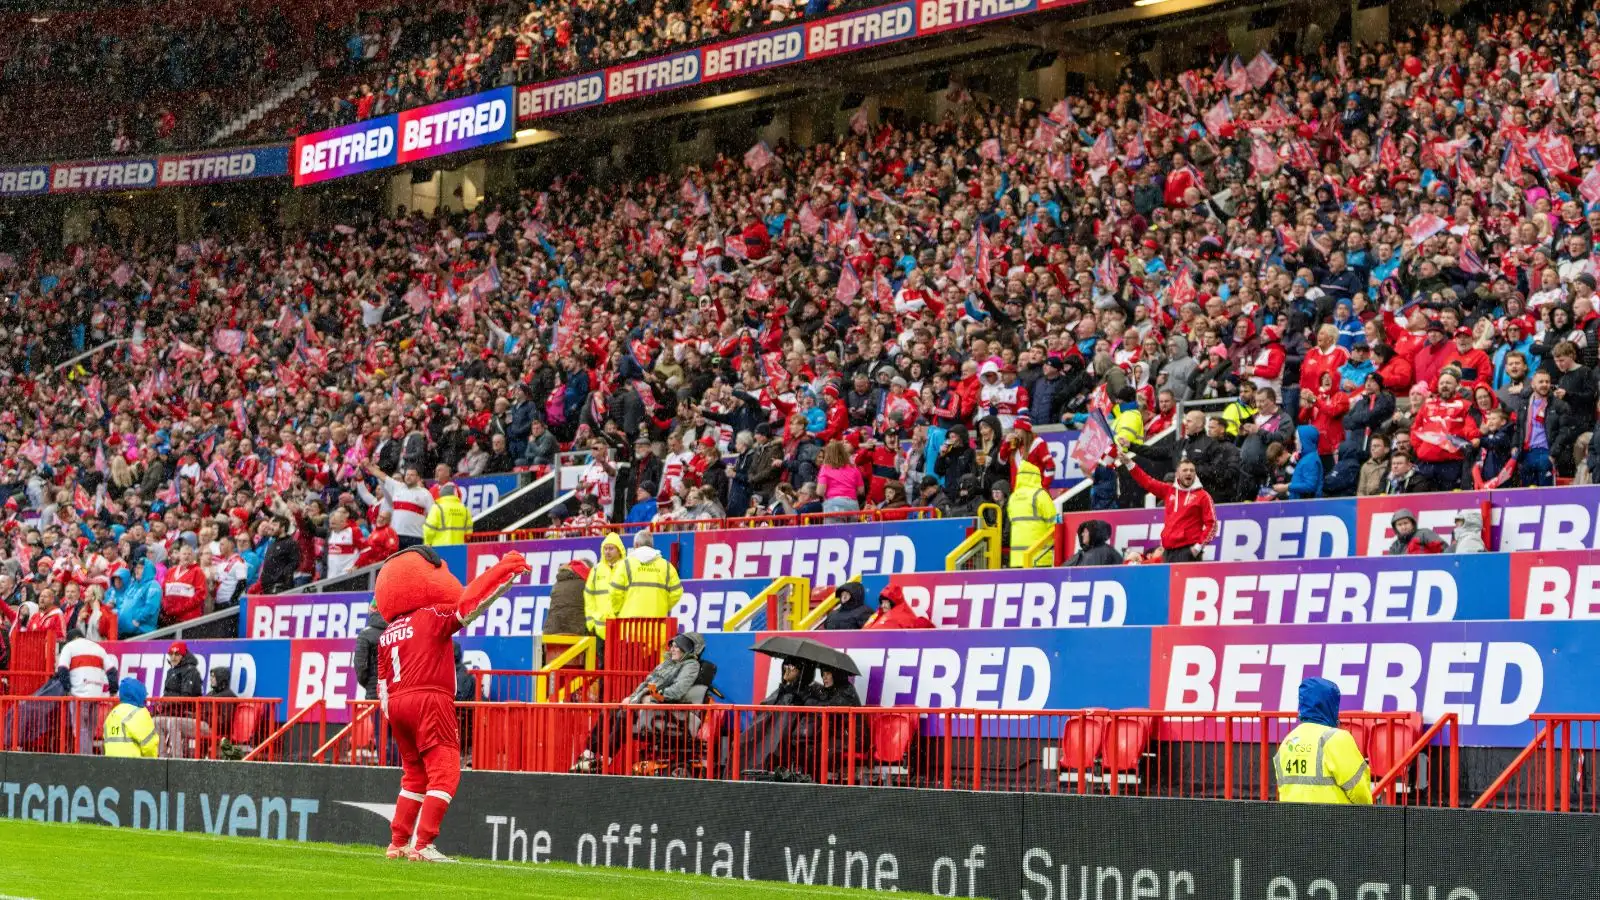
x,y
12,897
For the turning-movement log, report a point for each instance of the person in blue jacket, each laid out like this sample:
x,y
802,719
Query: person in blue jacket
x,y
136,597
1307,478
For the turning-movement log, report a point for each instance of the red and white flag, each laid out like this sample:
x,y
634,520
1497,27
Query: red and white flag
x,y
990,149
1425,226
758,157
858,120
1263,159
810,224
849,284
1260,69
1590,186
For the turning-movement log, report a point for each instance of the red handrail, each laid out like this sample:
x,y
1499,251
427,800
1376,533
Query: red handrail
x,y
1386,785
796,519
274,737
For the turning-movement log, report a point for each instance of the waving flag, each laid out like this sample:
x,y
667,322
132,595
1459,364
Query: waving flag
x,y
1469,262
1260,69
229,341
1094,442
858,120
1157,119
1218,116
810,224
417,298
758,157
1425,226
1103,150
1388,152
980,255
849,284
990,149
1590,186
632,210
1263,159
1105,272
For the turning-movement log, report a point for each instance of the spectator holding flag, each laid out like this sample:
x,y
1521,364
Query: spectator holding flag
x,y
1191,519
1443,433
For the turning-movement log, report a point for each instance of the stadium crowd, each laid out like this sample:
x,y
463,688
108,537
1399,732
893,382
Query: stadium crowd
x,y
399,58
1385,254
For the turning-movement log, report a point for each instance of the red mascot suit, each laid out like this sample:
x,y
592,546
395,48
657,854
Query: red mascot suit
x,y
424,606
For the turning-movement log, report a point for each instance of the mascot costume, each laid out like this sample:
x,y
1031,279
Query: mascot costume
x,y
425,606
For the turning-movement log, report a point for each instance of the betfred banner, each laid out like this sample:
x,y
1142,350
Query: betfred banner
x,y
1492,675
1526,519
176,170
345,150
652,76
24,181
828,554
1061,441
1091,597
1563,585
741,56
535,101
452,126
480,494
1434,588
126,173
300,672
333,615
934,16
1307,529
548,555
858,30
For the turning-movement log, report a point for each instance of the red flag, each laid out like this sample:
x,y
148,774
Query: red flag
x,y
1103,150
849,284
1388,153
1218,116
1094,442
1263,159
1260,69
1157,119
1590,186
758,157
809,222
1425,226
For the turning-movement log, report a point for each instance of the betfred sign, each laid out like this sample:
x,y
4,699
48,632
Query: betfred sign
x,y
535,101
1556,585
346,150
456,125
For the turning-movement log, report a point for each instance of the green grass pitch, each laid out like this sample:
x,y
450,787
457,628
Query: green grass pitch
x,y
44,861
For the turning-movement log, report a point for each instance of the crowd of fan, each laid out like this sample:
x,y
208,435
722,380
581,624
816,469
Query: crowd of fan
x,y
875,322
402,57
159,84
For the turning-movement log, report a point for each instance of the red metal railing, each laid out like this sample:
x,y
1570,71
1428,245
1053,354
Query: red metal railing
x,y
23,682
561,686
1127,752
296,739
33,651
1555,772
830,518
188,727
1427,772
637,644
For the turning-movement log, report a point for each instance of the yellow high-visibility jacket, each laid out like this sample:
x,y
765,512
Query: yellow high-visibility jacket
x,y
1031,511
597,606
130,732
644,585
448,522
1319,764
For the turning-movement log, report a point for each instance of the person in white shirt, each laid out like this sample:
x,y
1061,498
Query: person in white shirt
x,y
345,543
228,572
599,478
410,501
89,672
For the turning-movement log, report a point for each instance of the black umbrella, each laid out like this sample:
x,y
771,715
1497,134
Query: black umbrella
x,y
809,651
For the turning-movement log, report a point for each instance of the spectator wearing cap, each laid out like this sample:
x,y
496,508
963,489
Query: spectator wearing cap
x,y
644,506
1430,358
1474,364
1353,374
646,466
1345,320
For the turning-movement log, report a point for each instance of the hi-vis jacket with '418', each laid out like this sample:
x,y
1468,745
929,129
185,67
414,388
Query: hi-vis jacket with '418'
x,y
1319,764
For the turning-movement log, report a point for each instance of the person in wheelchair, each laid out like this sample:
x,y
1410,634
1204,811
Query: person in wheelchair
x,y
676,680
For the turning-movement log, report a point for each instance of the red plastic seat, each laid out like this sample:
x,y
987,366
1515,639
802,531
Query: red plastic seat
x,y
246,722
1387,746
1361,731
1081,738
1125,743
891,738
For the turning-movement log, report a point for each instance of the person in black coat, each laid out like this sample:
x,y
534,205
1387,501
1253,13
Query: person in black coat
x,y
852,612
282,558
183,673
366,661
956,459
1094,545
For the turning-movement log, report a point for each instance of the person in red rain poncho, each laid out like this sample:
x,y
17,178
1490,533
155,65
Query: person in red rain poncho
x,y
1443,433
1325,411
425,606
895,612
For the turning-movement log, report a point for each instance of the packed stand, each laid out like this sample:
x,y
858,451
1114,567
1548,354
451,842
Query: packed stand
x,y
149,79
405,57
875,323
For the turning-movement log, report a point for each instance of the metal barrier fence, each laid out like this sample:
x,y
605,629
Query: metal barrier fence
x,y
558,686
188,727
637,644
1142,753
624,528
1555,772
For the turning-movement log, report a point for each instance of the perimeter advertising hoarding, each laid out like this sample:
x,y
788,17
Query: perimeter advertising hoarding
x,y
1007,846
1528,519
449,126
301,671
1493,675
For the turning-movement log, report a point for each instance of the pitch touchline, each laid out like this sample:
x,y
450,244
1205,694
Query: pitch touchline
x,y
532,869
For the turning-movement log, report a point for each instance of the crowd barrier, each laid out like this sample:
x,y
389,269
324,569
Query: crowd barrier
x,y
1011,846
1547,518
187,727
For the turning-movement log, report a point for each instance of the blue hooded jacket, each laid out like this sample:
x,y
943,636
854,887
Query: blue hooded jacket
x,y
132,692
1307,479
137,601
1319,702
